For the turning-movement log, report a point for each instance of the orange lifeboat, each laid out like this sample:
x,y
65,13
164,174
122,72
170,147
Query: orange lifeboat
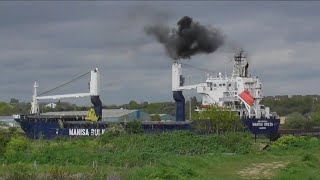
x,y
245,96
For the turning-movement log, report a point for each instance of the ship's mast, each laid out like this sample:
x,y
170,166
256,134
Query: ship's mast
x,y
34,103
240,70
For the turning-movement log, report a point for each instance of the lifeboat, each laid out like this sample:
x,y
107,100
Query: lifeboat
x,y
246,97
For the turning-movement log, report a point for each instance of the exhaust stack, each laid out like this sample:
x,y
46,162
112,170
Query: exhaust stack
x,y
180,105
177,82
95,92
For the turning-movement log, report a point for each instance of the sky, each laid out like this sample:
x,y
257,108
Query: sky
x,y
54,42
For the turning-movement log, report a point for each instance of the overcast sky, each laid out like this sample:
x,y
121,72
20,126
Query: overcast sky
x,y
53,42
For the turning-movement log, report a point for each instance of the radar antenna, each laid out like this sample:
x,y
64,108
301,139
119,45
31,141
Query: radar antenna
x,y
241,68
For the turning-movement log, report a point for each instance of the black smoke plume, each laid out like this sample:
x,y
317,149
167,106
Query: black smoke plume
x,y
190,39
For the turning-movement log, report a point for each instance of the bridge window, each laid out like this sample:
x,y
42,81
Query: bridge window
x,y
211,86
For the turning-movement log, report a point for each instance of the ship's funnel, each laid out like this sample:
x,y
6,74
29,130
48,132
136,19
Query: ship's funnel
x,y
177,77
176,72
180,105
97,105
177,82
95,92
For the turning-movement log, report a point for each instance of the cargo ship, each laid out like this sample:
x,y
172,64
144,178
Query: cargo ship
x,y
239,92
50,125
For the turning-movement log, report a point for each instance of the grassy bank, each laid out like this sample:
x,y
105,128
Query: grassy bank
x,y
178,155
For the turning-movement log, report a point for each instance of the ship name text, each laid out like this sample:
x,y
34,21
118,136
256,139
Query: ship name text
x,y
86,132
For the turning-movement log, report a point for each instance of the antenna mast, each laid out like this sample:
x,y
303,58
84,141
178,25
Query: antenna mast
x,y
239,58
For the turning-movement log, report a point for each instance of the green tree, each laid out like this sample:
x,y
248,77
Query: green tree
x,y
144,104
15,104
153,108
134,127
24,107
14,101
315,115
133,105
112,106
217,120
155,117
295,121
284,105
59,106
6,109
194,104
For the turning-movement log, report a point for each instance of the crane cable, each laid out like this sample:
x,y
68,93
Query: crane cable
x,y
198,68
65,84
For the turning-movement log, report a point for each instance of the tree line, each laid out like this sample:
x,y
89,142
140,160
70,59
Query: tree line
x,y
301,112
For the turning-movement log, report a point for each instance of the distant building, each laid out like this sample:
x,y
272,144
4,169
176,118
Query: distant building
x,y
6,118
51,105
283,119
110,115
165,117
114,115
8,121
282,97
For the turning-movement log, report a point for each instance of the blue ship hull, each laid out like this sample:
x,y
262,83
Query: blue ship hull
x,y
49,127
262,125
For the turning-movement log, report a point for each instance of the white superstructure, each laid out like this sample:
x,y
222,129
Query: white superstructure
x,y
239,92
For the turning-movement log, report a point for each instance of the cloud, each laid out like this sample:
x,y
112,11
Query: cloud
x,y
53,42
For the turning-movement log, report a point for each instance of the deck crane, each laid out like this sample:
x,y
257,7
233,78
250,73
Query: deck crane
x,y
94,93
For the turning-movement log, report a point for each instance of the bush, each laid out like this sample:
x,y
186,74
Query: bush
x,y
17,144
155,117
290,141
57,173
20,172
305,168
114,130
12,130
217,120
295,121
117,148
307,157
236,142
4,140
134,127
